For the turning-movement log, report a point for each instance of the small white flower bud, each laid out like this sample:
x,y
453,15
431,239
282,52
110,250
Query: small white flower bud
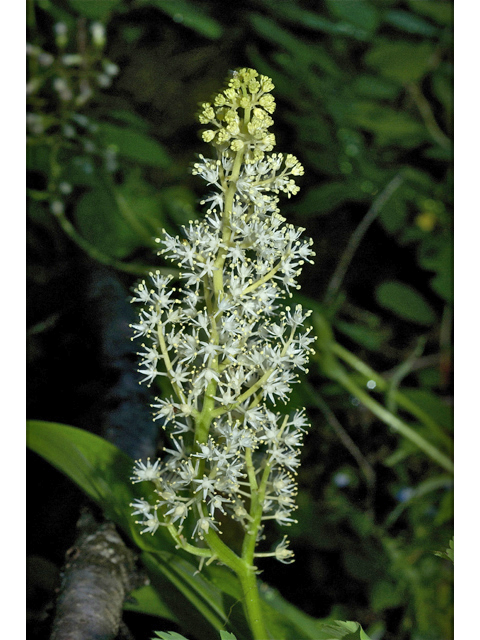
x,y
98,34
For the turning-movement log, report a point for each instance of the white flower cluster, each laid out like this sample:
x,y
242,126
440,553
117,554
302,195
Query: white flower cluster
x,y
62,69
229,351
66,80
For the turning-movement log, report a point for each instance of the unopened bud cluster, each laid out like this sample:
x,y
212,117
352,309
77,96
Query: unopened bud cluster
x,y
229,348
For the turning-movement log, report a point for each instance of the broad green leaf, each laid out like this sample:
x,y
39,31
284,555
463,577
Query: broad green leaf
x,y
294,13
103,472
442,83
130,118
134,145
295,622
436,408
394,214
340,630
99,220
191,15
372,86
442,284
179,205
94,9
147,600
389,125
182,586
405,302
38,157
441,12
225,635
436,254
360,13
409,22
100,469
400,61
301,53
140,206
371,338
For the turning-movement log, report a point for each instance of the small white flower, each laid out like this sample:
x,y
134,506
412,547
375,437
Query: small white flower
x,y
141,507
147,471
150,523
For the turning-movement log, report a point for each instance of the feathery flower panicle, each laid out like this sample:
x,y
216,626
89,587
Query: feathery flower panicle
x,y
229,348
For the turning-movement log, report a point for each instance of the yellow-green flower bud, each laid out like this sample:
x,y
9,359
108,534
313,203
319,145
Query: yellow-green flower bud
x,y
267,101
254,86
208,135
266,84
237,145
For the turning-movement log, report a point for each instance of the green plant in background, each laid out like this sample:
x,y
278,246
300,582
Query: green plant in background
x,y
365,90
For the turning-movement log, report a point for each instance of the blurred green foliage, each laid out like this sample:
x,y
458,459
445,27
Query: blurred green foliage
x,y
364,93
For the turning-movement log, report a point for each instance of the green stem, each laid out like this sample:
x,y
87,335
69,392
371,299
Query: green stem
x,y
245,572
252,606
394,422
96,254
382,385
357,236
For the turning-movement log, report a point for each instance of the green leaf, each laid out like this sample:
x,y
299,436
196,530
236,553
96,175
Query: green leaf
x,y
372,86
94,9
292,12
394,214
388,124
339,630
38,157
448,554
436,408
134,145
301,54
285,621
445,511
442,83
405,302
225,635
181,586
169,635
190,15
100,221
371,338
129,118
100,469
147,600
436,254
400,61
441,12
103,472
409,22
140,206
360,13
